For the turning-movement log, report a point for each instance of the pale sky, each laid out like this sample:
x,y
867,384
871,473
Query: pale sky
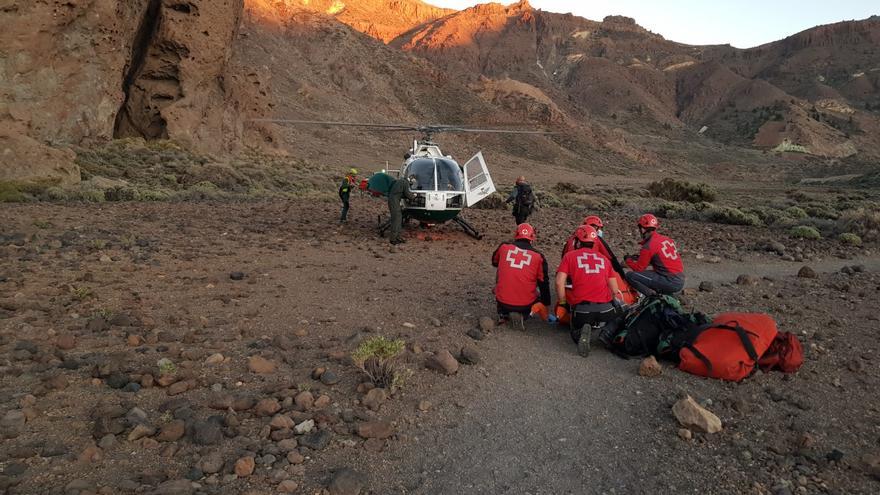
x,y
743,23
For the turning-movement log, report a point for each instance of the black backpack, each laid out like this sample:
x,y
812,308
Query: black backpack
x,y
657,326
525,198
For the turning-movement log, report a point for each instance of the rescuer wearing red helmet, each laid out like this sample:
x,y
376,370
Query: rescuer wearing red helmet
x,y
600,245
660,253
593,290
522,274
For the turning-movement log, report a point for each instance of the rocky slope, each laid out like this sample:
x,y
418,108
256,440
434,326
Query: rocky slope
x,y
816,89
198,72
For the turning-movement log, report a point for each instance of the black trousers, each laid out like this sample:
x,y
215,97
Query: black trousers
x,y
344,215
584,315
504,310
520,216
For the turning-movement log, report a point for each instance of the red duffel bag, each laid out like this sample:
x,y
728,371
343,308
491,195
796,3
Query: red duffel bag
x,y
785,354
729,347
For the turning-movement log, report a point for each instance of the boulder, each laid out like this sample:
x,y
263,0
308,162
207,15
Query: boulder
x,y
807,272
375,429
260,365
649,367
693,416
346,482
443,362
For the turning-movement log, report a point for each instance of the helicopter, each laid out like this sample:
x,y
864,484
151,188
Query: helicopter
x,y
442,188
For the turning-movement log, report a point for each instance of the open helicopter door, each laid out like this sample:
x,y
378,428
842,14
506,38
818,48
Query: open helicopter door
x,y
477,181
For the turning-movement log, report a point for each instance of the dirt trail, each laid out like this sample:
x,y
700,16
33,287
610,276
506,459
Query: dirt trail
x,y
539,419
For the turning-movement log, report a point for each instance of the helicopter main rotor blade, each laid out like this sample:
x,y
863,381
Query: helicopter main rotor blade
x,y
401,127
432,128
496,131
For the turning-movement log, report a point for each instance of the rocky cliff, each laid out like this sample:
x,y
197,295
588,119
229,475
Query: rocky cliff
x,y
73,73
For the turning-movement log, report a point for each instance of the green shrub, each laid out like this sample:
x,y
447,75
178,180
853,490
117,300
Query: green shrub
x,y
13,192
822,211
795,212
378,357
862,222
674,190
549,200
850,238
804,232
787,146
731,216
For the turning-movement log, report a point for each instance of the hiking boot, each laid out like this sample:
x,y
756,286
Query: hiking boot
x,y
516,321
584,342
606,336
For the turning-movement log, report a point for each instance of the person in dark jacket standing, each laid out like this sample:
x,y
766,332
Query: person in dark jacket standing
x,y
660,253
400,190
523,199
349,182
522,275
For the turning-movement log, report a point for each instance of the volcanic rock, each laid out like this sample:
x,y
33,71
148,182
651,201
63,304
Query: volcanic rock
x,y
443,362
649,367
374,399
375,429
260,365
691,415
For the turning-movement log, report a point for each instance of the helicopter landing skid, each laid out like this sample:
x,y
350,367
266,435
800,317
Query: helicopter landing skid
x,y
384,225
468,228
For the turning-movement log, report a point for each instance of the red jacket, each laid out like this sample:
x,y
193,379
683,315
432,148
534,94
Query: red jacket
x,y
522,270
600,246
659,252
589,272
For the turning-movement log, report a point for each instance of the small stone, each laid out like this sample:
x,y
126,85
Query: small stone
x,y
322,401
174,487
304,427
317,372
213,359
375,429
806,272
12,423
236,276
287,486
317,440
835,455
141,431
295,457
179,387
346,482
205,433
476,334
692,415
195,474
443,362
133,340
172,431
486,324
424,405
650,367
281,421
707,286
211,463
65,342
685,434
91,454
435,322
469,355
244,467
107,441
329,378
746,280
117,380
260,365
374,399
304,400
408,325
267,407
287,445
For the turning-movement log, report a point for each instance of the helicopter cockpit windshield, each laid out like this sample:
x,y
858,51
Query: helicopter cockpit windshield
x,y
436,174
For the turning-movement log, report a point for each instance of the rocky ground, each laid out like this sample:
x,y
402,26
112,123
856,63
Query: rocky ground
x,y
205,348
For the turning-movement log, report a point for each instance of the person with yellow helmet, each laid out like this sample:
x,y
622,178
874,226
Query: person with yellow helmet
x,y
349,182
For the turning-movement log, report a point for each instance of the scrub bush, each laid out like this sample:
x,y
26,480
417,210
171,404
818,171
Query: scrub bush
x,y
805,232
675,190
378,358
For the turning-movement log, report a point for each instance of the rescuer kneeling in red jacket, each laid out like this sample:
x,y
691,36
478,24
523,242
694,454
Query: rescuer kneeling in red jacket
x,y
658,252
522,274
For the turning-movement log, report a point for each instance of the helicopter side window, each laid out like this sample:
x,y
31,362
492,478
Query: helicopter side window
x,y
423,171
449,176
